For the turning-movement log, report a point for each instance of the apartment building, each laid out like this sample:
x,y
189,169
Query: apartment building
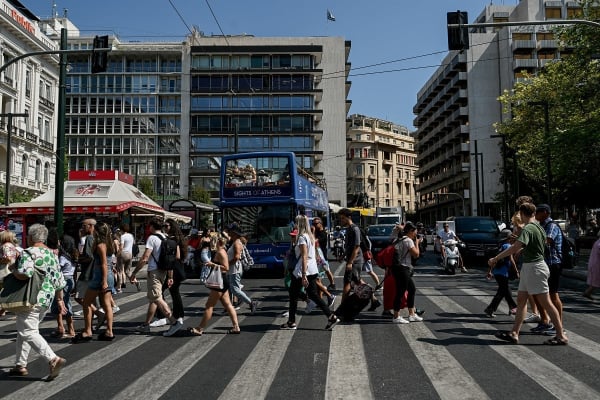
x,y
459,155
381,164
27,86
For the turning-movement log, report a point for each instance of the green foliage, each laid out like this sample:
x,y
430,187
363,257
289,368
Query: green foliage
x,y
570,87
17,195
200,194
146,185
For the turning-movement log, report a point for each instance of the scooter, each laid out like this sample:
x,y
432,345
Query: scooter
x,y
338,247
451,258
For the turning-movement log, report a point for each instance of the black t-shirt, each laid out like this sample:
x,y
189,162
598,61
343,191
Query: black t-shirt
x,y
321,236
353,240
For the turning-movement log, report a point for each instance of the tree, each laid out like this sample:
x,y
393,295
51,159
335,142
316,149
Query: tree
x,y
200,194
147,187
569,87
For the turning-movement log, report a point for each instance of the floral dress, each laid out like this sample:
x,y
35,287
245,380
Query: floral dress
x,y
46,262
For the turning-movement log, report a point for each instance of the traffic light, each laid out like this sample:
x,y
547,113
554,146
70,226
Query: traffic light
x,y
458,38
100,58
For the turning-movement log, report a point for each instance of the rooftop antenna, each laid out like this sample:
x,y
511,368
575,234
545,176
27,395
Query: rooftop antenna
x,y
54,13
65,12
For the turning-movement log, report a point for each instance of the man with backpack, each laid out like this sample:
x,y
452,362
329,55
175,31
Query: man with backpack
x,y
158,273
553,257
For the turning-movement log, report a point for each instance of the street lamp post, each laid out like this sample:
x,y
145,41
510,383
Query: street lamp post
x,y
9,127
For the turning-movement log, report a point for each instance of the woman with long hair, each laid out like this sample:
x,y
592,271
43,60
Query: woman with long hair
x,y
406,249
101,285
221,261
172,230
305,274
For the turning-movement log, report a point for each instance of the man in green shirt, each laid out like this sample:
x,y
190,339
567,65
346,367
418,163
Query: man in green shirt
x,y
534,276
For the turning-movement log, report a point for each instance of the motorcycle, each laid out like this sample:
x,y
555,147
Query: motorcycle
x,y
338,247
451,256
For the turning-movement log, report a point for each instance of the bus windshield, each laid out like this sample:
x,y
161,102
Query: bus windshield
x,y
262,224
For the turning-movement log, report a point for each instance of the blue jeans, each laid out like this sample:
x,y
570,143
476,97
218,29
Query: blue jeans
x,y
66,298
235,281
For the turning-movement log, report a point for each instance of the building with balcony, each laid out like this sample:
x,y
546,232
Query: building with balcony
x,y
460,160
27,86
381,164
168,111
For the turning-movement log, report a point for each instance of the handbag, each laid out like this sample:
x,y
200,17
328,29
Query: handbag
x,y
179,271
21,294
214,280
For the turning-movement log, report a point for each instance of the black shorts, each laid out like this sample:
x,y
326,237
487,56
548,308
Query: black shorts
x,y
553,280
353,275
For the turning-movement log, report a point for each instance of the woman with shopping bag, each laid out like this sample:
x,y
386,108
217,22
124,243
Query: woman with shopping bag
x,y
38,265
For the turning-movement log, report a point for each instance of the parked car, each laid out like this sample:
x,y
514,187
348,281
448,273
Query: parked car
x,y
480,235
380,236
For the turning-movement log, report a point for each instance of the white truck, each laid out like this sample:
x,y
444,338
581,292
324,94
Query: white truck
x,y
388,215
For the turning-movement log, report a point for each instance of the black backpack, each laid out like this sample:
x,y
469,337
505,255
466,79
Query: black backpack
x,y
568,257
168,253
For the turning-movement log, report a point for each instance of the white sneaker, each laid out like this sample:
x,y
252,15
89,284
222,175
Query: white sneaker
x,y
116,309
399,320
414,318
310,306
159,322
532,318
174,328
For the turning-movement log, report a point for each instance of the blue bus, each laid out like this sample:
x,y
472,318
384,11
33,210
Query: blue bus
x,y
263,192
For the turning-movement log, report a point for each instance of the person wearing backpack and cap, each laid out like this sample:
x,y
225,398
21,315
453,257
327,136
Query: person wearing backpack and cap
x,y
235,266
553,257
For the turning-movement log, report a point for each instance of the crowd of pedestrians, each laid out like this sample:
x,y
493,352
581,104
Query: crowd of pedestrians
x,y
101,266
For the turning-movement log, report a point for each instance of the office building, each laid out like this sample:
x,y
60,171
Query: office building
x,y
460,160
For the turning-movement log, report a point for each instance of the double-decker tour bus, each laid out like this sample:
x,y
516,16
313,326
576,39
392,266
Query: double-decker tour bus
x,y
263,192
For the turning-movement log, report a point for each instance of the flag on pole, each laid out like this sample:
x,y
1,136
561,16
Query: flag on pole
x,y
330,16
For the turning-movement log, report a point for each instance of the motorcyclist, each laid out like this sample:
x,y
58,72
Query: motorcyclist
x,y
450,250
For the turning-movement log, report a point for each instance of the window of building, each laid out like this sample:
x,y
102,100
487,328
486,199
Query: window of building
x,y
386,172
521,36
371,170
387,188
553,13
574,12
545,36
47,172
24,166
38,171
358,170
28,83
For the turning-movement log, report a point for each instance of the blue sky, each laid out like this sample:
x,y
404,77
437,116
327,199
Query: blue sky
x,y
406,37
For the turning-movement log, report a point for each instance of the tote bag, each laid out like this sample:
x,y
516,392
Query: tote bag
x,y
214,280
21,295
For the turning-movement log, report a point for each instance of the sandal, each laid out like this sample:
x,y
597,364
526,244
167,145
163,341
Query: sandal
x,y
103,337
195,332
57,334
18,371
508,337
556,342
234,332
79,338
289,326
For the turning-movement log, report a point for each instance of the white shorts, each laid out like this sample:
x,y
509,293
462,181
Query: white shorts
x,y
534,278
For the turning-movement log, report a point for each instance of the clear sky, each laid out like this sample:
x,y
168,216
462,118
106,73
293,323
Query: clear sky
x,y
396,44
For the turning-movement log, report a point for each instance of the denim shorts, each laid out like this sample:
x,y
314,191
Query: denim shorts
x,y
96,282
66,298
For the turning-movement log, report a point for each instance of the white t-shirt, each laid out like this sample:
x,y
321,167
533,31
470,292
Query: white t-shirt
x,y
312,267
234,268
127,242
447,235
153,242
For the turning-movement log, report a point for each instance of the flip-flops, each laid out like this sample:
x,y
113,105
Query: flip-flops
x,y
103,337
79,338
195,332
508,337
556,342
234,332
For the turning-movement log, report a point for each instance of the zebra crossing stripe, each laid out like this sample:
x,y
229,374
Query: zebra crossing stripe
x,y
448,377
347,349
556,381
89,364
588,347
254,378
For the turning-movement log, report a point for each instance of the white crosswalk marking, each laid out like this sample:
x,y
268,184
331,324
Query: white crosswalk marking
x,y
556,381
347,351
449,378
255,376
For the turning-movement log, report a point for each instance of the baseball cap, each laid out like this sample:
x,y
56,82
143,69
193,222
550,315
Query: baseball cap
x,y
543,207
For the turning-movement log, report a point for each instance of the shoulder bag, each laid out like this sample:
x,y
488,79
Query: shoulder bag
x,y
214,280
21,295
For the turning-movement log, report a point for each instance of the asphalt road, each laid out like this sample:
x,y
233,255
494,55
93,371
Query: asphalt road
x,y
452,355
